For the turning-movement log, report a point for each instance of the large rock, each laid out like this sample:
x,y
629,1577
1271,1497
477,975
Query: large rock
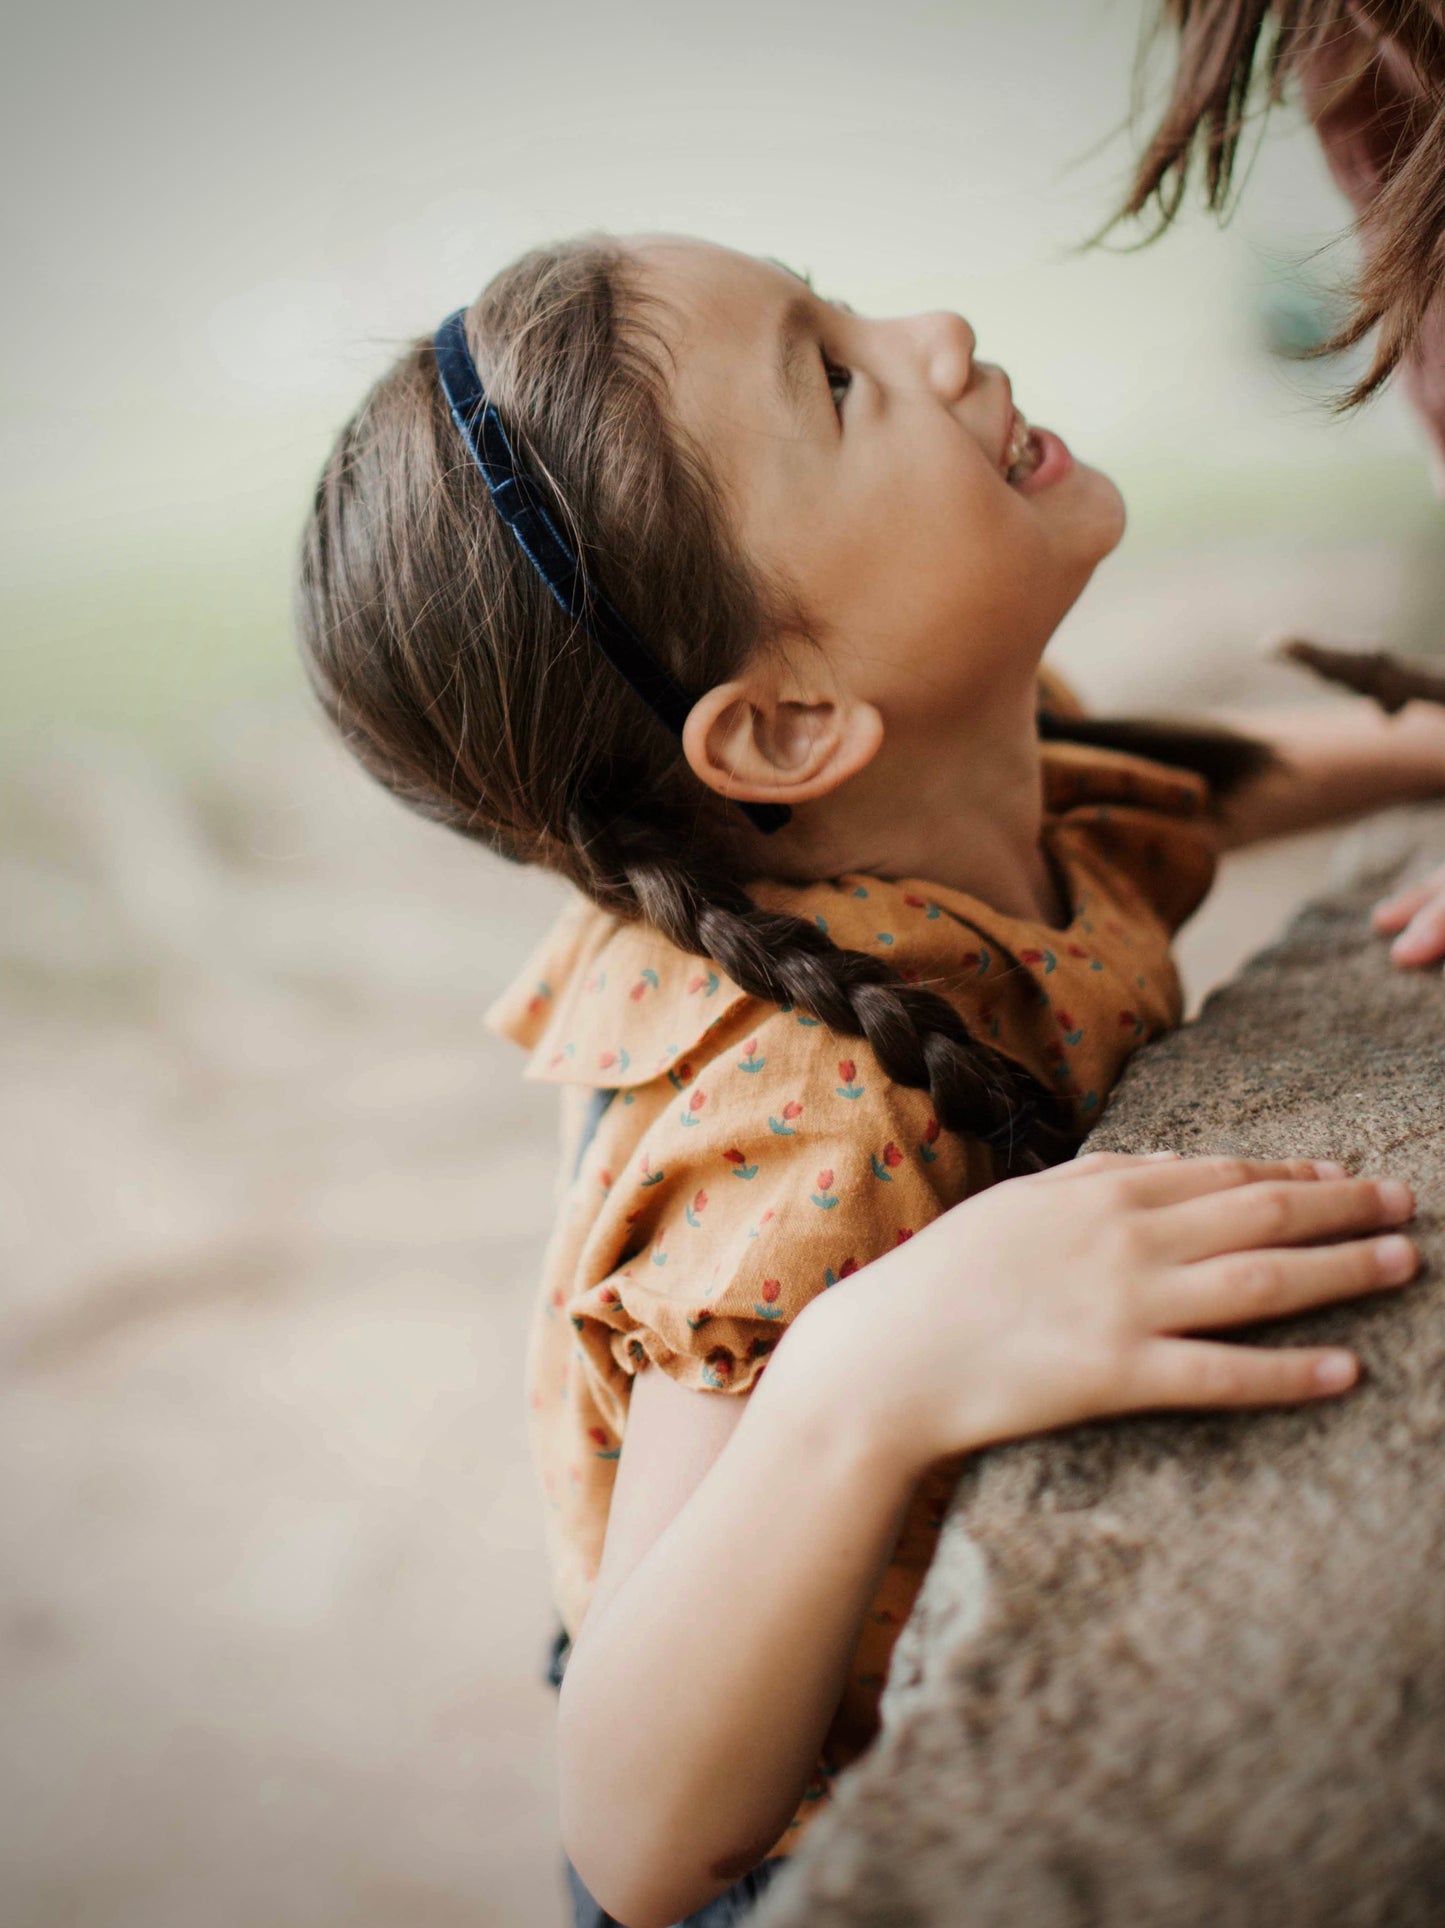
x,y
1192,1670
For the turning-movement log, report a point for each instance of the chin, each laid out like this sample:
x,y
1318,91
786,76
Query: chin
x,y
1101,511
1094,529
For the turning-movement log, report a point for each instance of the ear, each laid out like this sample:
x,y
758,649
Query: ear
x,y
770,739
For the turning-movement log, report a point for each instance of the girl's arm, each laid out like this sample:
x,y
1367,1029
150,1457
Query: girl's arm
x,y
747,1535
1338,762
746,1538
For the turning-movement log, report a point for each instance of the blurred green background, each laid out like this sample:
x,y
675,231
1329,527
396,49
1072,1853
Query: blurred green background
x,y
273,1599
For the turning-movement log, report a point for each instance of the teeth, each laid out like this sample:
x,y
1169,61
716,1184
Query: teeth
x,y
1024,452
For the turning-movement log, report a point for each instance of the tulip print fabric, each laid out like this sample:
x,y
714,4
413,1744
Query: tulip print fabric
x,y
752,1159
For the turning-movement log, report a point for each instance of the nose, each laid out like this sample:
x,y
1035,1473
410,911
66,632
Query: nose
x,y
946,345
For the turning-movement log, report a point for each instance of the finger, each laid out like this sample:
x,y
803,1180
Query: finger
x,y
1393,913
1199,1373
1101,1161
1158,1184
1277,1212
1423,939
1250,1286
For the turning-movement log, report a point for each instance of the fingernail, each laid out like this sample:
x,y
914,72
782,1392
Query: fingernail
x,y
1397,1201
1395,1258
1327,1168
1335,1371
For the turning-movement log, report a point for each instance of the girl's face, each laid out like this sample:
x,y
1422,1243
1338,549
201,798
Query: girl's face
x,y
882,472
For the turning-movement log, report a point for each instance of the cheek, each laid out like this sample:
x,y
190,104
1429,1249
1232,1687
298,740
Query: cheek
x,y
992,563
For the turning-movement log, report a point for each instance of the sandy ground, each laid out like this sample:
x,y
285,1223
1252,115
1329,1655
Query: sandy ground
x,y
273,1602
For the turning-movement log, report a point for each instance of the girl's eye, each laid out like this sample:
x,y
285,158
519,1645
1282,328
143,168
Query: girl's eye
x,y
840,380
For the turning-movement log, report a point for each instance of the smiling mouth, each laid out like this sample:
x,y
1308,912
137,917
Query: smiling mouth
x,y
1024,452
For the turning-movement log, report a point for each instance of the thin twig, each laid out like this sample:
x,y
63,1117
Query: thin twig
x,y
1393,681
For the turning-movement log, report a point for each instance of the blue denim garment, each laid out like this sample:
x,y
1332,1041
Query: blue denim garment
x,y
723,1911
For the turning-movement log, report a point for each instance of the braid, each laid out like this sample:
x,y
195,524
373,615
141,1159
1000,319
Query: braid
x,y
917,1036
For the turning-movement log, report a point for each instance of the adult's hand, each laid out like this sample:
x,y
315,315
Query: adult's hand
x,y
1418,915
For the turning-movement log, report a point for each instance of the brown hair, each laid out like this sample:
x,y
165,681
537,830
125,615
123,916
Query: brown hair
x,y
1234,54
458,682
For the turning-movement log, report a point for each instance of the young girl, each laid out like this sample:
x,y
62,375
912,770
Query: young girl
x,y
728,605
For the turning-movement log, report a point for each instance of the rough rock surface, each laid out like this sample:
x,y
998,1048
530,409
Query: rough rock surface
x,y
1204,1677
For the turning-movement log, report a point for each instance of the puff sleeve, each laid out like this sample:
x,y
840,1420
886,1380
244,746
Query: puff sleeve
x,y
787,1163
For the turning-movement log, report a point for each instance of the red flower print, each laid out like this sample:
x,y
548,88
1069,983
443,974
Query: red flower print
x,y
825,1180
597,1435
720,1361
608,1296
931,1131
699,1203
697,1101
637,990
1128,1020
847,1268
913,902
792,1109
734,1156
969,960
750,1048
892,1156
1066,1023
606,1060
904,1234
1031,957
765,1217
771,1289
1076,950
604,1179
847,1070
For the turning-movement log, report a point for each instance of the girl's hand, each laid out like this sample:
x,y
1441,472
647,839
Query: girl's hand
x,y
1072,1294
1418,914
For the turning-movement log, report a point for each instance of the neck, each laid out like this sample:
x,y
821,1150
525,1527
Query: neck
x,y
964,811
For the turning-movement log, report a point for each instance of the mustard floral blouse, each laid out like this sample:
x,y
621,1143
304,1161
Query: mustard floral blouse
x,y
750,1159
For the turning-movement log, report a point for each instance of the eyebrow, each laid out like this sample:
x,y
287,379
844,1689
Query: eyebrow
x,y
795,360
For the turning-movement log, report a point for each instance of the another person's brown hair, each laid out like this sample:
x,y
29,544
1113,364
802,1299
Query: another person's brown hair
x,y
459,683
1239,57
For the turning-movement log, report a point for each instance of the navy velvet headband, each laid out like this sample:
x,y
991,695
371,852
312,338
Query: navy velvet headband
x,y
522,506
